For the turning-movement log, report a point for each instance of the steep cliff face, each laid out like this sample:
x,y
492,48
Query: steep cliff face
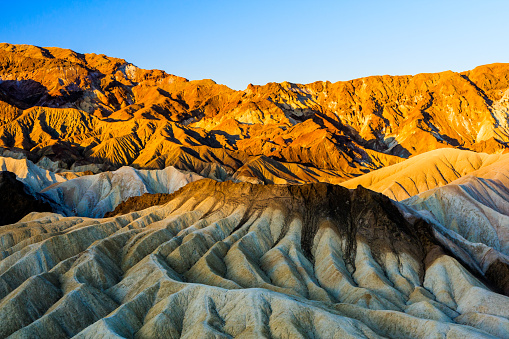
x,y
83,108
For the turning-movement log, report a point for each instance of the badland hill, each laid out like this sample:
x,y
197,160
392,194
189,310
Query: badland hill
x,y
139,204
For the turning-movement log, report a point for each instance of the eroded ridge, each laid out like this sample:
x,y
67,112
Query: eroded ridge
x,y
241,260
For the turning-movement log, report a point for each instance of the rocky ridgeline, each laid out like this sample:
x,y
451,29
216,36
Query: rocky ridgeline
x,y
86,108
237,260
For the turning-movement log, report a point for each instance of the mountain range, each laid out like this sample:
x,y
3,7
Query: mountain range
x,y
146,205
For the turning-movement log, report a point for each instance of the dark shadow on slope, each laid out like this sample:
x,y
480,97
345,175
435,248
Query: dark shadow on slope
x,y
15,202
29,93
22,93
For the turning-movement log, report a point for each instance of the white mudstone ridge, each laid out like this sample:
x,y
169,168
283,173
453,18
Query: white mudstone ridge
x,y
94,195
207,264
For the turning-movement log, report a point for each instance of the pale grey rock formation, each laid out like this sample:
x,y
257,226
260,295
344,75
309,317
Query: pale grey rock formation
x,y
34,177
93,195
238,260
472,213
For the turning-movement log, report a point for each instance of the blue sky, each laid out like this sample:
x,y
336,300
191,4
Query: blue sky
x,y
238,42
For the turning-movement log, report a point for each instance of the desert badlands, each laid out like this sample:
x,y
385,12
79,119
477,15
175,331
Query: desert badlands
x,y
138,204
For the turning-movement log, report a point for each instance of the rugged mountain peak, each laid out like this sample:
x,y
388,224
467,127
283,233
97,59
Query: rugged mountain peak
x,y
54,77
120,114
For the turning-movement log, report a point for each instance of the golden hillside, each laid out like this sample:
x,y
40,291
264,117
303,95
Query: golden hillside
x,y
82,108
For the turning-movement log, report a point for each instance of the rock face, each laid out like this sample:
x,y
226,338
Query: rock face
x,y
270,245
476,208
34,177
237,260
15,202
86,108
94,195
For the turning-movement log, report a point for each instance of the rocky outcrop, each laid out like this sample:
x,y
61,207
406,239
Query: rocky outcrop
x,y
15,201
235,260
92,195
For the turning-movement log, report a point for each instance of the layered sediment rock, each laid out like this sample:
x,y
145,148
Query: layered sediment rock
x,y
226,259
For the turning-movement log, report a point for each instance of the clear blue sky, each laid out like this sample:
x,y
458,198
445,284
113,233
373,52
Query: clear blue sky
x,y
239,42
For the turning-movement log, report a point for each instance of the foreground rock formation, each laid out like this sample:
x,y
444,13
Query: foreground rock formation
x,y
225,259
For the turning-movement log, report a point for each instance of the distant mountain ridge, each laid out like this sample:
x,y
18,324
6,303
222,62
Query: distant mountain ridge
x,y
88,108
